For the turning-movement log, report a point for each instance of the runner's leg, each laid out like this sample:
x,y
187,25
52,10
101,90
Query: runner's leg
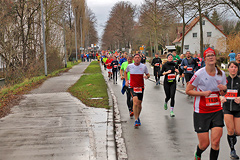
x,y
167,91
216,134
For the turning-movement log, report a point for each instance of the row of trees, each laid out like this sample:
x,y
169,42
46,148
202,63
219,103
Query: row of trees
x,y
158,19
21,47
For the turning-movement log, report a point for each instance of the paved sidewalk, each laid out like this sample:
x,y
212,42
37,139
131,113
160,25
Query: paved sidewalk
x,y
52,124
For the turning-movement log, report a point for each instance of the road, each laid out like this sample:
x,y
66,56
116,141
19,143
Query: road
x,y
161,137
51,124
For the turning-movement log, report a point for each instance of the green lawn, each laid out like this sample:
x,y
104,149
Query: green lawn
x,y
90,86
93,68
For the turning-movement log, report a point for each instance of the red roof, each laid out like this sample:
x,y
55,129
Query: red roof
x,y
193,23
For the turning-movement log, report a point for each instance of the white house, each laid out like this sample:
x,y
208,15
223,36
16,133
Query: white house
x,y
213,36
2,64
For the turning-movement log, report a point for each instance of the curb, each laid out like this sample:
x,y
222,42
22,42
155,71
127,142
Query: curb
x,y
120,146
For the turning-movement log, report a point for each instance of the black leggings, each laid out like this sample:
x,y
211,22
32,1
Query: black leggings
x,y
114,75
129,99
170,90
157,77
157,74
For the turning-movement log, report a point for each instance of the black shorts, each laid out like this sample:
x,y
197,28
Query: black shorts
x,y
180,71
188,76
203,122
139,95
234,113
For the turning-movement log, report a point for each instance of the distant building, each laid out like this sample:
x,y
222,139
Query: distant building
x,y
2,64
213,36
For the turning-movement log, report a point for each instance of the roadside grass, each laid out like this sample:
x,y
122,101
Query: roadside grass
x,y
9,94
90,86
93,68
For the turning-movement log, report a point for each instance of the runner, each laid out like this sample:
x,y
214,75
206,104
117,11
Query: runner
x,y
129,97
175,57
181,75
157,64
136,85
123,58
231,107
197,61
206,85
104,62
169,70
189,66
238,61
114,65
109,67
200,61
143,58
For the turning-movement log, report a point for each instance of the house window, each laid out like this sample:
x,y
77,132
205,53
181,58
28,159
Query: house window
x,y
209,34
203,22
194,34
186,47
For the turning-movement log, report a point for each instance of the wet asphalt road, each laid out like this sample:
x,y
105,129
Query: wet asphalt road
x,y
51,124
161,137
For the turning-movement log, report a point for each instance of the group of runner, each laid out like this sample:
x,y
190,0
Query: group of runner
x,y
217,98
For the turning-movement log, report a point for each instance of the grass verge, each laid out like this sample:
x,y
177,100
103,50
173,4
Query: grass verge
x,y
90,86
10,95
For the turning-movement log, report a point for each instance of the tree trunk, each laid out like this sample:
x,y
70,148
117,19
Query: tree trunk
x,y
151,44
183,30
201,29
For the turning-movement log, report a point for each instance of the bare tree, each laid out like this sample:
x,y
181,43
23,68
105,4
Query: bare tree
x,y
119,27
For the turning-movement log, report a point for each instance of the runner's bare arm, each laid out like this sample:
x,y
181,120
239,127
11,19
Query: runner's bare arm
x,y
147,76
126,79
191,92
121,74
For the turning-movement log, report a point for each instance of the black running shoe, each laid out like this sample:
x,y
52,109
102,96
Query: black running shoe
x,y
233,155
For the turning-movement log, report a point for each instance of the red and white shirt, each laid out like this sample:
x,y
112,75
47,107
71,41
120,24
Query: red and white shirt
x,y
136,74
108,63
204,82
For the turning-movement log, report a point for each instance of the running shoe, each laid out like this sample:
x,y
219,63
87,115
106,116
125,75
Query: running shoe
x,y
165,106
172,114
233,155
156,83
139,123
131,113
196,157
136,124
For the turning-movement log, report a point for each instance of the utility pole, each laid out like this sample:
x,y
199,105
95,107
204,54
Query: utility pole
x,y
81,34
44,43
65,49
76,33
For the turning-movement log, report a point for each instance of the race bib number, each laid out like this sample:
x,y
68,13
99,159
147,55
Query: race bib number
x,y
175,61
189,69
115,66
171,76
157,64
137,89
213,100
231,94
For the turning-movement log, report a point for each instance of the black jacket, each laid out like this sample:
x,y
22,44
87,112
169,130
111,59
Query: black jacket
x,y
156,60
114,65
232,84
168,66
143,59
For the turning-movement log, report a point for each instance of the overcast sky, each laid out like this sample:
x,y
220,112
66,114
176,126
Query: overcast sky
x,y
102,8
